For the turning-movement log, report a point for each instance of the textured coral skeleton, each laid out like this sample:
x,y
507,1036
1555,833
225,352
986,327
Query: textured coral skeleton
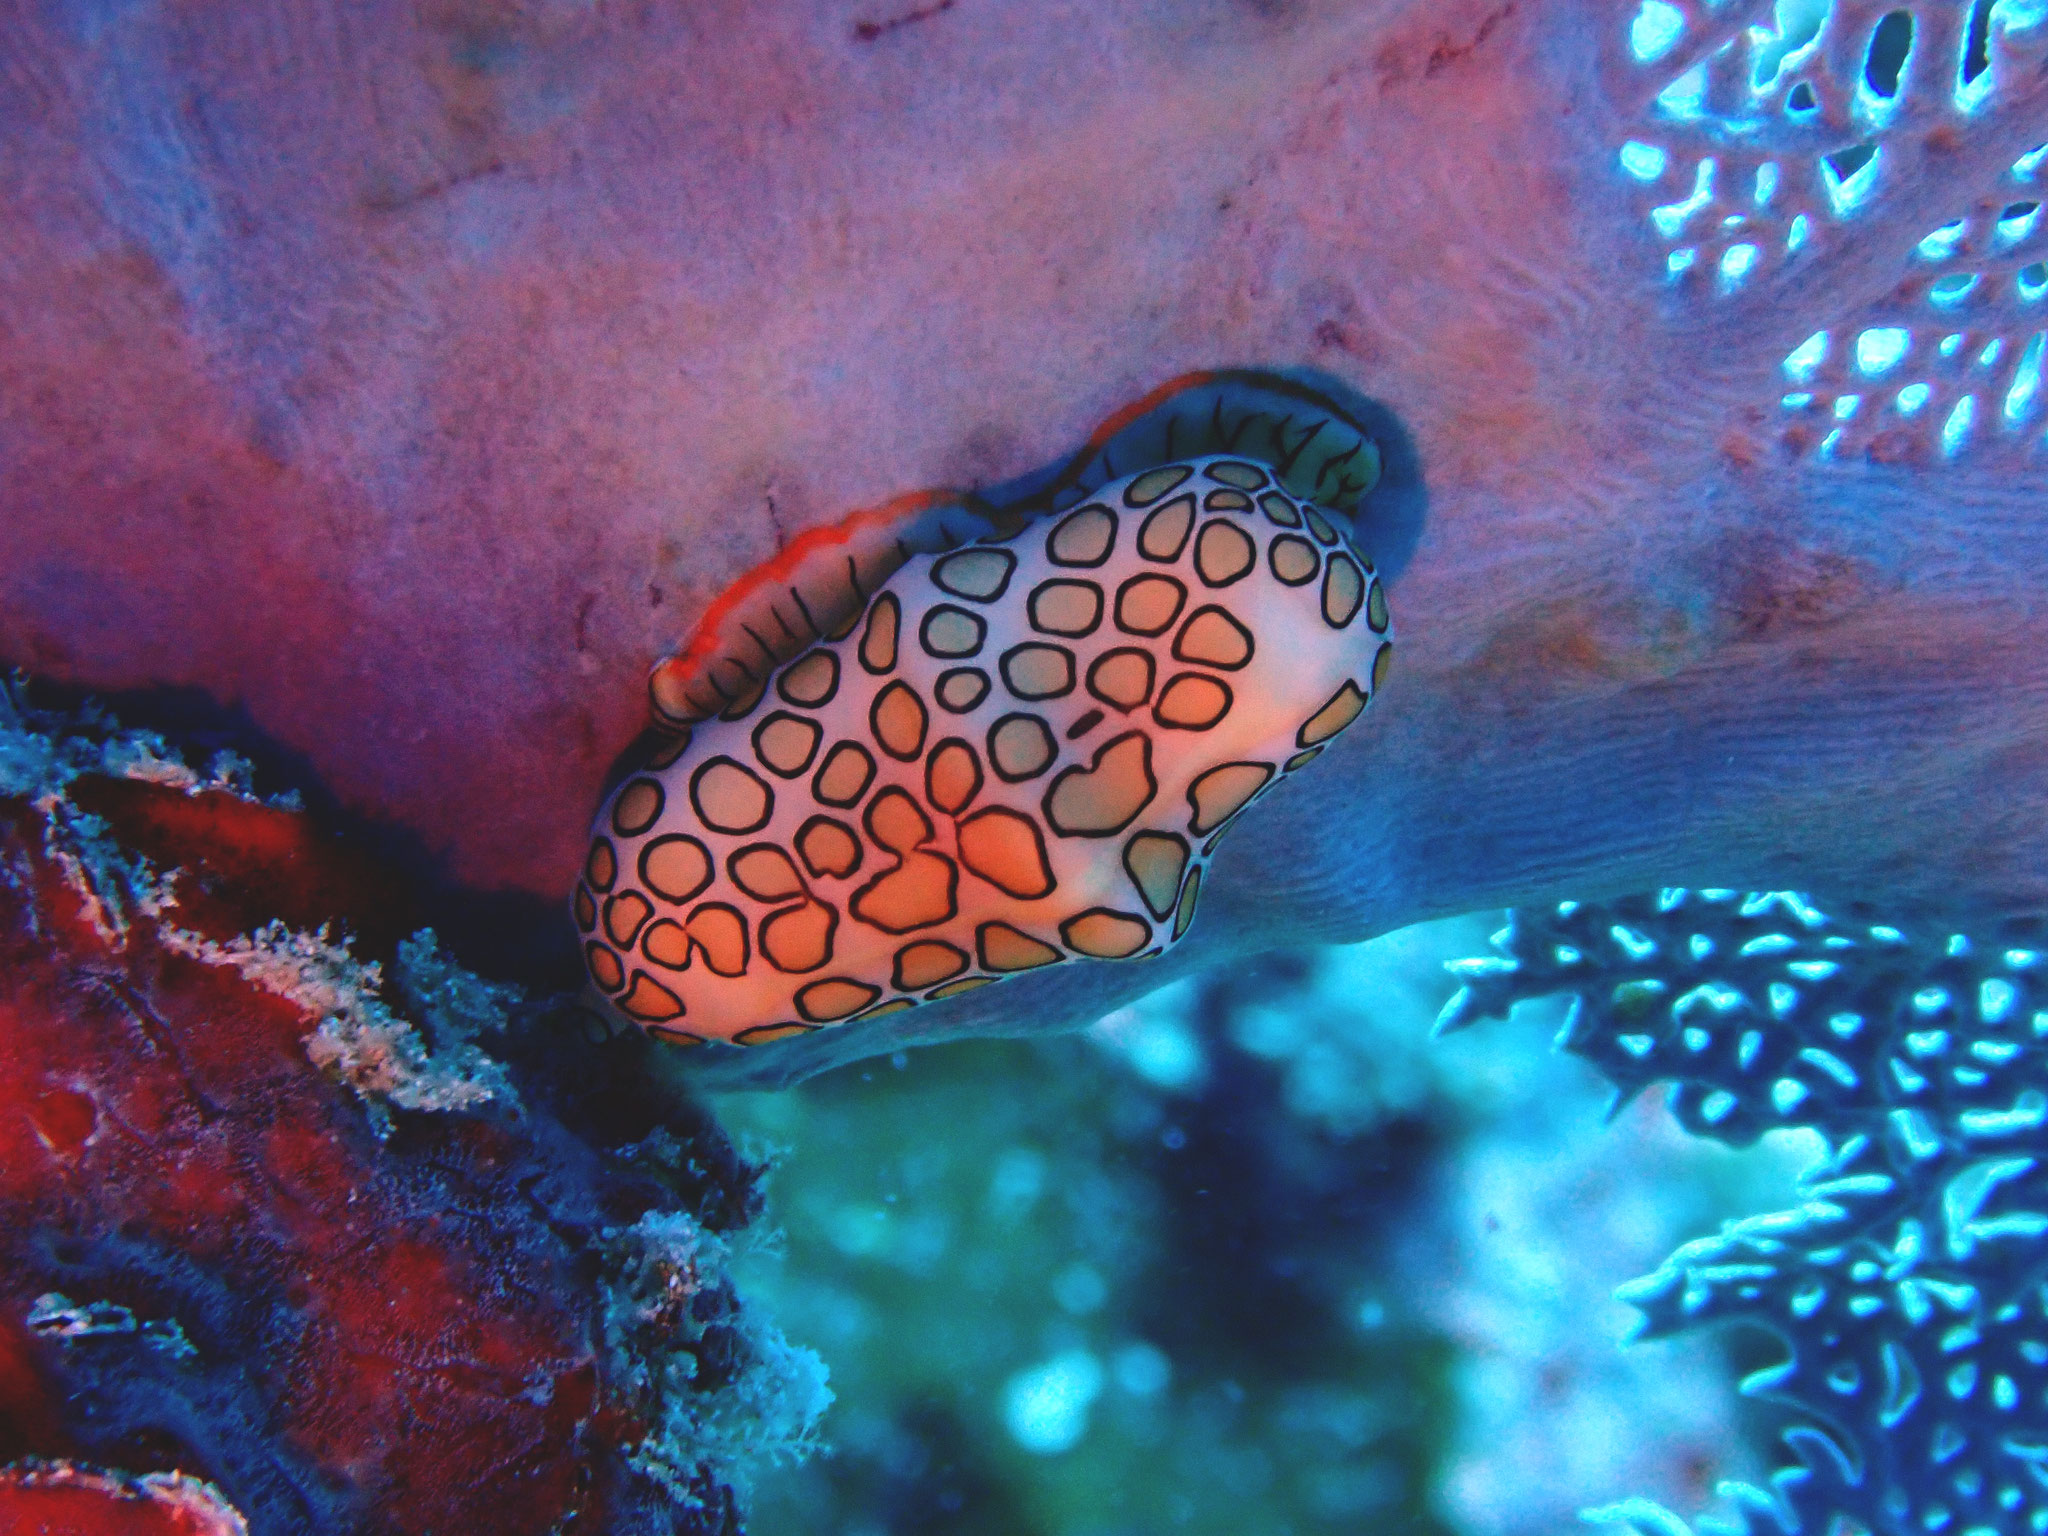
x,y
1910,1285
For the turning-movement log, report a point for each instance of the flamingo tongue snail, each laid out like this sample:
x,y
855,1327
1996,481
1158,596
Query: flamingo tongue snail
x,y
997,757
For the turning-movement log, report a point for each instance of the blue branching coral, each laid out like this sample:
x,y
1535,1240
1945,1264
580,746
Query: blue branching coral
x,y
1908,1284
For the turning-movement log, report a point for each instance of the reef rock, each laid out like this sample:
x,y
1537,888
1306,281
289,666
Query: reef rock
x,y
359,1245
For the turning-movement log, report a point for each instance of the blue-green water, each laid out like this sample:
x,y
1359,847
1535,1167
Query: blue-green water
x,y
1256,1255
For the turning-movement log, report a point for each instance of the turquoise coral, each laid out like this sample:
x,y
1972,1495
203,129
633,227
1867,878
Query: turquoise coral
x,y
1907,1285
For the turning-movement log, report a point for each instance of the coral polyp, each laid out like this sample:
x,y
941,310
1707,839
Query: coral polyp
x,y
1018,752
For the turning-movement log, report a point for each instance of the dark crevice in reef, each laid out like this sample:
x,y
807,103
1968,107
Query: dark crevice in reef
x,y
873,31
1261,1205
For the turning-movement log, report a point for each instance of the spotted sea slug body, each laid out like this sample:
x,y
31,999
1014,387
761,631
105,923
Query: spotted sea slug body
x,y
1016,753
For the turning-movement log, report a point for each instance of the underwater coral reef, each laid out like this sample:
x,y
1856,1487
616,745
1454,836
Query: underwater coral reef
x,y
478,352
359,1244
1252,1254
397,389
1202,1240
1907,1285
